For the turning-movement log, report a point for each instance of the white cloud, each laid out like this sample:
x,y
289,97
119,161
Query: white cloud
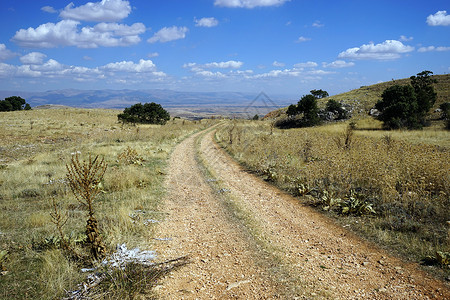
x,y
6,70
433,48
389,49
199,68
206,22
6,53
309,64
65,33
278,64
302,39
439,19
279,73
143,66
404,38
120,29
168,34
249,3
338,64
127,71
104,11
317,24
33,58
49,9
231,64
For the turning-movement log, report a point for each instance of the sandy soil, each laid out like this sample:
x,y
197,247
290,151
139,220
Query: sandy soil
x,y
249,240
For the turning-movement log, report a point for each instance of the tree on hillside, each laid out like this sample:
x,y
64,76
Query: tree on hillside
x,y
398,108
319,94
308,106
148,113
423,87
407,106
292,110
14,103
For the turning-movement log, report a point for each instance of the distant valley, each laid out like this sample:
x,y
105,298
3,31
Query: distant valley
x,y
183,104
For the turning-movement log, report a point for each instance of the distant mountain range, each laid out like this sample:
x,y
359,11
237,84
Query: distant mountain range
x,y
187,104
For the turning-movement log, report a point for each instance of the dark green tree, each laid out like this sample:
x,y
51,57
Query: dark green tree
x,y
13,103
399,108
308,106
255,117
292,110
148,113
408,106
425,94
445,108
319,94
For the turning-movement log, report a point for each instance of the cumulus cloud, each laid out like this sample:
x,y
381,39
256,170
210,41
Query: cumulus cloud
x,y
337,64
389,49
206,22
104,11
309,64
433,48
439,19
249,3
49,9
6,53
65,33
143,71
168,34
143,66
302,39
231,64
33,58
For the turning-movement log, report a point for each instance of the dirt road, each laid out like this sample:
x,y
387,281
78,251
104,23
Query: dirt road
x,y
249,240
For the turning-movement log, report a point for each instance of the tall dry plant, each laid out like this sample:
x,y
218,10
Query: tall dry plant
x,y
84,179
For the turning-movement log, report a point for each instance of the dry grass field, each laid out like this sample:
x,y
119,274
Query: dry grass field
x,y
392,187
34,150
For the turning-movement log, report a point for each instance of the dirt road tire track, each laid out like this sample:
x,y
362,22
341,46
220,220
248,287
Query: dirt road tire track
x,y
330,261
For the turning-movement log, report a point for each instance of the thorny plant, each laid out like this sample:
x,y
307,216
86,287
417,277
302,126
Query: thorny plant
x,y
84,179
130,156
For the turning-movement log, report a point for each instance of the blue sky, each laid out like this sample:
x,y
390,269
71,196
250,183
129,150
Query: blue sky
x,y
276,46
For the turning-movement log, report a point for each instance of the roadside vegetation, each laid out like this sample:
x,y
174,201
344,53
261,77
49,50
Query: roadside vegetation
x,y
392,187
44,236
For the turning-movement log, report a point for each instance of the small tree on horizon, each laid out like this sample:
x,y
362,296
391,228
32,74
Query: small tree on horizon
x,y
14,103
148,113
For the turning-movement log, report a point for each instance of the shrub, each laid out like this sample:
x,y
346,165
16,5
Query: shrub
x,y
148,113
407,106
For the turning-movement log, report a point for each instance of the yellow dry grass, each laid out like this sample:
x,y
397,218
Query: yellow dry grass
x,y
36,146
403,175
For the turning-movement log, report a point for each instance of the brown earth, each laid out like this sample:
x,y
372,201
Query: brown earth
x,y
249,240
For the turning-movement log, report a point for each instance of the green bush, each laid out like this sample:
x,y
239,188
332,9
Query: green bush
x,y
148,113
407,106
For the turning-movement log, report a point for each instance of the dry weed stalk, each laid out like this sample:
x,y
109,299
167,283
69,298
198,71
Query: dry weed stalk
x,y
84,179
59,220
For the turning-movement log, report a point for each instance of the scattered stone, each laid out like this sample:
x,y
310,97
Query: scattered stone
x,y
365,264
382,290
